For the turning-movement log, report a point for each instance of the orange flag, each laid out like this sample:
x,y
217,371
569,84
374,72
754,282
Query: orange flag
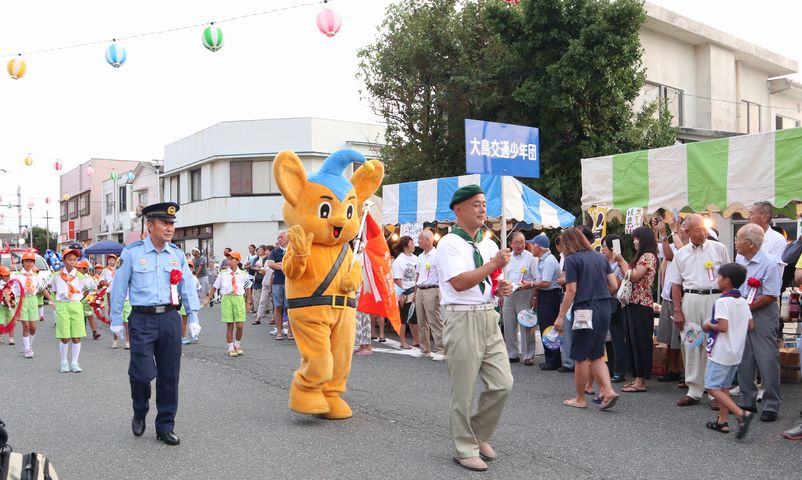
x,y
378,289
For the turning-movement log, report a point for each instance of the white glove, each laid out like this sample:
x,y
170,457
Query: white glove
x,y
117,330
194,329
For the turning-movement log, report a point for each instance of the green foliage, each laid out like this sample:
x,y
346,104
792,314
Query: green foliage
x,y
570,67
40,239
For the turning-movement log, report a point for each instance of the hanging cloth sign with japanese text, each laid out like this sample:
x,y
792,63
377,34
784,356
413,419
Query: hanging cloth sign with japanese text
x,y
502,149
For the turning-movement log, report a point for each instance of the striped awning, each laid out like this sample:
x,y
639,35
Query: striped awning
x,y
427,201
717,175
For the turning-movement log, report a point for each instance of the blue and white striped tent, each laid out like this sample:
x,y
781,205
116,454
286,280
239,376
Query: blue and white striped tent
x,y
427,201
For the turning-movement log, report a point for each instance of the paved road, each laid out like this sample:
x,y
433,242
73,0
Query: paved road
x,y
234,422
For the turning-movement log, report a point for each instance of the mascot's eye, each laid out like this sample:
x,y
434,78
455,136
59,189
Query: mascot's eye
x,y
324,210
349,212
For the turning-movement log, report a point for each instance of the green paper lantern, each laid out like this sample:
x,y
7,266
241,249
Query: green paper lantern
x,y
213,38
113,175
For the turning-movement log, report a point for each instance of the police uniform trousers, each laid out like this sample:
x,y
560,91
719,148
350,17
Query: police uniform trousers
x,y
548,307
155,353
475,347
761,351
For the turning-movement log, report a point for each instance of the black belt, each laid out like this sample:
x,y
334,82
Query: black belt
x,y
154,308
702,292
333,301
426,287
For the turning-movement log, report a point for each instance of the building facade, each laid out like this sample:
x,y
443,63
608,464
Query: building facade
x,y
716,84
223,176
123,200
81,198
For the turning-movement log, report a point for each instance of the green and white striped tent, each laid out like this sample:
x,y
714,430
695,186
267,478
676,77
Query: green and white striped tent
x,y
720,175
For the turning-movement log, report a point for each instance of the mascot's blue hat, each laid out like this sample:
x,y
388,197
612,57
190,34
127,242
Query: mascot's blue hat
x,y
331,173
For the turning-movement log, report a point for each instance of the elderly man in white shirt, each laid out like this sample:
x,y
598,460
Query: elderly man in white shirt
x,y
473,342
694,292
427,300
521,272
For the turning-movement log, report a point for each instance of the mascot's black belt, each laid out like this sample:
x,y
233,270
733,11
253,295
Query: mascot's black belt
x,y
317,298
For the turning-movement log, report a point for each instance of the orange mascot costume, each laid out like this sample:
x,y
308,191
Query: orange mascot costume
x,y
323,211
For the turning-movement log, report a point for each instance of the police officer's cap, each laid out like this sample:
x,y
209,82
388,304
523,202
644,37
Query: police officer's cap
x,y
165,211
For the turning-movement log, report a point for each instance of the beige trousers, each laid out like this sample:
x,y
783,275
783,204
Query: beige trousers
x,y
697,309
427,309
474,347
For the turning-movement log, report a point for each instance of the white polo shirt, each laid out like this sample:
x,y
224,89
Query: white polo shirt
x,y
774,245
454,257
62,290
427,269
224,285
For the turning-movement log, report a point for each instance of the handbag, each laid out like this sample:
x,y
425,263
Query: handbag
x,y
625,290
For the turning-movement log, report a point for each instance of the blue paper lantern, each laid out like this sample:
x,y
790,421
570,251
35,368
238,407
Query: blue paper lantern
x,y
115,55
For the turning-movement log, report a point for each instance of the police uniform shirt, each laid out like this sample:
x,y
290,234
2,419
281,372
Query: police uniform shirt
x,y
224,285
62,289
145,276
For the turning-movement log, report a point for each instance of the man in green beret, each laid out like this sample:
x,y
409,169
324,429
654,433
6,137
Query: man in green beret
x,y
471,336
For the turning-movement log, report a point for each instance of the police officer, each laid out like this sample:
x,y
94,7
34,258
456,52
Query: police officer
x,y
144,274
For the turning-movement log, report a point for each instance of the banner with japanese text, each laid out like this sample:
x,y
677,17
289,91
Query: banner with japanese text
x,y
502,149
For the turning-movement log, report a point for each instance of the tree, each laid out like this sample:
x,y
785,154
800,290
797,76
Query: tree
x,y
40,239
570,67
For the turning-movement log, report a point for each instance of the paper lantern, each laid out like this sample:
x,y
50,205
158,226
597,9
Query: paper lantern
x,y
328,22
512,2
28,160
30,205
213,38
90,171
66,197
16,68
47,200
113,175
129,177
115,55
57,166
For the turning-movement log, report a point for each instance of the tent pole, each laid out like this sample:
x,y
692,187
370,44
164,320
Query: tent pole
x,y
503,216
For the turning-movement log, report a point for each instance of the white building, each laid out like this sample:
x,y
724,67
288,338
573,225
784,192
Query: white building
x,y
223,179
716,84
123,199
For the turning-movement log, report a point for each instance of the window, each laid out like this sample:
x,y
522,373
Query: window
x,y
64,211
123,196
83,204
195,185
109,204
74,207
672,97
240,176
175,188
142,198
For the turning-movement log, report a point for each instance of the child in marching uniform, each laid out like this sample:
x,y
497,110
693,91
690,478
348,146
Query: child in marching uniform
x,y
31,282
89,286
231,284
68,287
185,340
7,305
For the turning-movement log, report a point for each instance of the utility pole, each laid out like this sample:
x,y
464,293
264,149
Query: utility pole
x,y
47,228
19,210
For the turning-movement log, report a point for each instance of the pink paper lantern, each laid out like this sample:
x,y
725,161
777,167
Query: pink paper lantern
x,y
329,22
512,2
57,165
90,171
47,199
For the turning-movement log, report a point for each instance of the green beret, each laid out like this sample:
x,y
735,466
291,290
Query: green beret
x,y
465,193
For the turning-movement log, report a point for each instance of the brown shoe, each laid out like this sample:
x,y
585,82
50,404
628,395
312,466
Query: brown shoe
x,y
486,452
474,464
714,404
529,362
687,401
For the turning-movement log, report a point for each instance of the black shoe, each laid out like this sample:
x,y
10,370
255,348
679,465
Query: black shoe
x,y
138,426
671,377
768,416
169,438
546,366
515,360
565,369
617,378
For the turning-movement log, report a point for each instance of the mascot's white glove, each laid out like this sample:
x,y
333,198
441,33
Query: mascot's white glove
x,y
116,329
194,329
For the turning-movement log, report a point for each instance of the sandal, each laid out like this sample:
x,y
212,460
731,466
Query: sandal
x,y
573,403
590,392
598,400
633,389
382,340
279,337
743,424
406,347
719,427
609,403
290,337
256,322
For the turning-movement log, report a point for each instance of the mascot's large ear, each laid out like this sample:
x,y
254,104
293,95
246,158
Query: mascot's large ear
x,y
367,179
290,176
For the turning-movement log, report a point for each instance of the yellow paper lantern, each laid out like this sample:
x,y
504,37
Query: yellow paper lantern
x,y
66,197
28,161
16,68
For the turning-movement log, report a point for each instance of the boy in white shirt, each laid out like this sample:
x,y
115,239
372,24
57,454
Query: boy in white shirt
x,y
727,329
231,284
68,285
31,282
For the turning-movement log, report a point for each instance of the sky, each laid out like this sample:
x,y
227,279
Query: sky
x,y
72,106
